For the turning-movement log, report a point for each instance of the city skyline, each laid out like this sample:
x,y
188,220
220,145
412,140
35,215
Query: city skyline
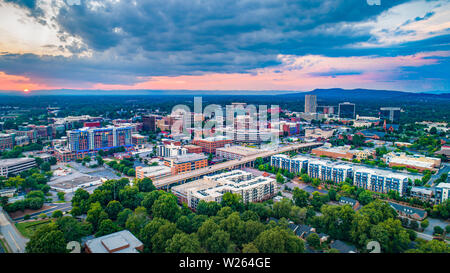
x,y
213,45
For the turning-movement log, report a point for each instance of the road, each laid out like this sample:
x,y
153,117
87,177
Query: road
x,y
167,181
55,206
444,169
12,236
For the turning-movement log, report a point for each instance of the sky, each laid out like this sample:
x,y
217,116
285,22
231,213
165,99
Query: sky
x,y
225,45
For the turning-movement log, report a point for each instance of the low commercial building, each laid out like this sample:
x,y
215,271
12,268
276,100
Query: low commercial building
x,y
418,162
186,163
16,165
317,133
211,188
117,242
69,184
153,172
210,144
445,151
193,149
340,152
344,152
236,152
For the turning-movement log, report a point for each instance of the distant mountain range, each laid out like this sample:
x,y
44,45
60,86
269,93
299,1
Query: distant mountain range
x,y
329,94
367,94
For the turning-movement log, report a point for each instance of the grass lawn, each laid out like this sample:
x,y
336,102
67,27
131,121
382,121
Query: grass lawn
x,y
27,228
4,246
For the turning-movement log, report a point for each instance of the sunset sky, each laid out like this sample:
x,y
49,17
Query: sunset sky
x,y
224,45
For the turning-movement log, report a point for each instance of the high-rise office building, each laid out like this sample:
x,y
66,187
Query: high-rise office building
x,y
310,104
347,110
149,123
391,114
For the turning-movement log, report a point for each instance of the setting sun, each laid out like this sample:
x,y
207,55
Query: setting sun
x,y
26,90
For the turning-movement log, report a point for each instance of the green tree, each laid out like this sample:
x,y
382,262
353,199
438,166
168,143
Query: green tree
x,y
250,248
161,239
72,229
300,197
130,197
113,208
57,214
282,208
184,223
137,221
146,185
206,230
61,195
313,240
122,217
106,227
219,242
166,207
278,240
184,243
438,230
95,215
47,239
234,201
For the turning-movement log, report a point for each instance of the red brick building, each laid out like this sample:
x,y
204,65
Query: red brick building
x,y
209,145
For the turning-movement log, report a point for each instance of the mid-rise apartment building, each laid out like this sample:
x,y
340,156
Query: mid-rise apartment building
x,y
441,192
294,165
379,180
170,150
368,178
99,138
212,188
6,141
329,171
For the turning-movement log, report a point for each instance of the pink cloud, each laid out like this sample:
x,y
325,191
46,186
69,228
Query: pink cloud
x,y
295,73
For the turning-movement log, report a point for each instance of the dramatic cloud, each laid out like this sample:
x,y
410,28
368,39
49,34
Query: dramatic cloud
x,y
142,44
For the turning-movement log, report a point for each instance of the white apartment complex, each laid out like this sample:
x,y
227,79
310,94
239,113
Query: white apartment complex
x,y
211,188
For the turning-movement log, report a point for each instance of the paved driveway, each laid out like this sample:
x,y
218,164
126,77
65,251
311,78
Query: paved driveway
x,y
13,238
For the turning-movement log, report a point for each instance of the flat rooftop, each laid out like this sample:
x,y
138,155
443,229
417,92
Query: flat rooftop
x,y
15,161
74,182
240,150
187,158
118,242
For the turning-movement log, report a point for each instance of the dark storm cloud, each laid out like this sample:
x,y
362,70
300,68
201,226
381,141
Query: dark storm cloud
x,y
179,37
